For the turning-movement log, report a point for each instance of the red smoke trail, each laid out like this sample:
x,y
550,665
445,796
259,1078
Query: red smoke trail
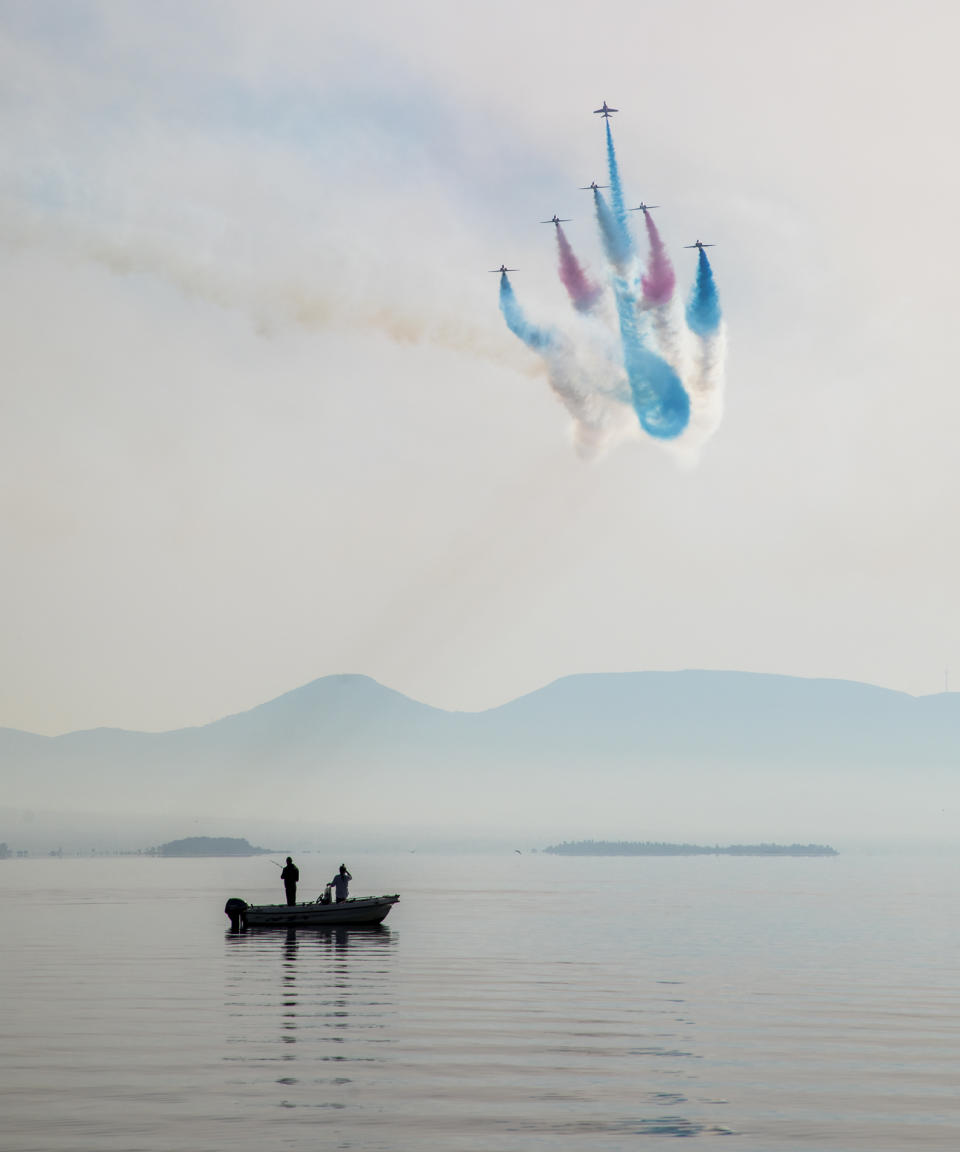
x,y
583,292
659,281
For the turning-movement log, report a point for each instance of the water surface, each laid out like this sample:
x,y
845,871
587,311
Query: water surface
x,y
511,1002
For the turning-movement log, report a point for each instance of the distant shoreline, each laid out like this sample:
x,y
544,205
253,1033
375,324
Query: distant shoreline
x,y
655,848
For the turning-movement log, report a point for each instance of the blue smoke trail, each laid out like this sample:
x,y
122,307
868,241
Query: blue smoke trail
x,y
616,243
703,310
661,402
540,339
616,196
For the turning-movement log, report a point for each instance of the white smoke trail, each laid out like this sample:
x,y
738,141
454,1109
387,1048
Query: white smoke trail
x,y
706,383
585,373
598,420
669,335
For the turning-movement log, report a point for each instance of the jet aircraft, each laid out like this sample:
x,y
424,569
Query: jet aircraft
x,y
593,186
502,268
605,112
700,244
555,219
644,208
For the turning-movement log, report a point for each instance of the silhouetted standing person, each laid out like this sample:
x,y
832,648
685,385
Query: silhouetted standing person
x,y
340,883
290,875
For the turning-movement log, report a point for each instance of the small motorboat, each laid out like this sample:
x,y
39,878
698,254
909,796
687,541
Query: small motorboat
x,y
317,913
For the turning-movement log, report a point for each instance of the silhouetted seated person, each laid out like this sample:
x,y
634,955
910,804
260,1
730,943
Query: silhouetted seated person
x,y
340,883
290,875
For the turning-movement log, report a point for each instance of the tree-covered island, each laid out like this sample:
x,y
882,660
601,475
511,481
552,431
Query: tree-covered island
x,y
209,846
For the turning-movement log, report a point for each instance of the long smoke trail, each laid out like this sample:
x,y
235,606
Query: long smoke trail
x,y
272,302
539,339
616,243
616,197
658,304
706,377
584,293
703,310
659,279
662,405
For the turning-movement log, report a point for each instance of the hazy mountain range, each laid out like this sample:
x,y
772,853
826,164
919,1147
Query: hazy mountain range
x,y
644,754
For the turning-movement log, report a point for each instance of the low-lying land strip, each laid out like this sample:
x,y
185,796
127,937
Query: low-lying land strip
x,y
659,848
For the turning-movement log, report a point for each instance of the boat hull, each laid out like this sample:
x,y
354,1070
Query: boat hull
x,y
363,910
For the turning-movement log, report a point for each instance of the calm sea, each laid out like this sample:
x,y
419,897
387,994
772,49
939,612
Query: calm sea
x,y
513,1002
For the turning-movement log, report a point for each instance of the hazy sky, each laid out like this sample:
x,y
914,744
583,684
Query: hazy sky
x,y
261,418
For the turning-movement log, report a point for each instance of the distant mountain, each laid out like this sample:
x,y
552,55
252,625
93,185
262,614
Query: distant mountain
x,y
645,746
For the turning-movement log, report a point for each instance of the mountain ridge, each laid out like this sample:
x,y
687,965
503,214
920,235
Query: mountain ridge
x,y
348,750
303,690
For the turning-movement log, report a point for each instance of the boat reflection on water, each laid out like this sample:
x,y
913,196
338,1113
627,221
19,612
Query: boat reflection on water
x,y
289,986
330,989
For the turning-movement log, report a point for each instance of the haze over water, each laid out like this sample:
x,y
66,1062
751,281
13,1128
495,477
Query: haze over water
x,y
511,1002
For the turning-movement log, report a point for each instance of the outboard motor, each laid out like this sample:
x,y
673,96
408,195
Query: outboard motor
x,y
235,908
